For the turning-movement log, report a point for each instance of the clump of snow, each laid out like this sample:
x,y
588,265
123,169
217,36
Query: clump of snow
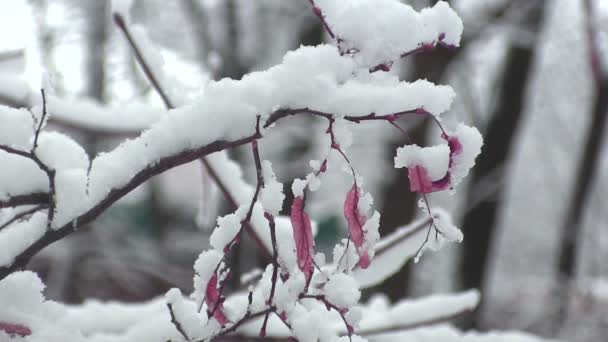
x,y
305,325
17,237
391,28
191,321
470,141
59,152
345,256
435,159
16,128
342,133
443,231
271,195
25,311
127,117
20,176
70,196
227,228
342,290
204,268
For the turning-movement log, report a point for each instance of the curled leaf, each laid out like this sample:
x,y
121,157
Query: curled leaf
x,y
302,233
356,221
214,301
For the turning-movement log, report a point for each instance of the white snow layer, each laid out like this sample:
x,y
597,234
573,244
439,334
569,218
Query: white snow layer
x,y
16,128
435,159
391,28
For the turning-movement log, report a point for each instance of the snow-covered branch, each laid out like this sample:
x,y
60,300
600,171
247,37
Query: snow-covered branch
x,y
298,294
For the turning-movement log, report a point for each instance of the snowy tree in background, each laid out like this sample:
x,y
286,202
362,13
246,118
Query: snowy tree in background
x,y
49,188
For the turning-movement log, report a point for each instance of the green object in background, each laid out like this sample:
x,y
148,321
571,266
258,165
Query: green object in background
x,y
328,234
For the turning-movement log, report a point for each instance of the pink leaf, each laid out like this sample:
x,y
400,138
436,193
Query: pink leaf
x,y
15,329
302,233
214,301
418,175
356,221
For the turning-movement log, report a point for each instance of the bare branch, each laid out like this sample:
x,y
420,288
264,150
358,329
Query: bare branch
x,y
120,22
42,118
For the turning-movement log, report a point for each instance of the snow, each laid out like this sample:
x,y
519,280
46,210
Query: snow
x,y
17,237
342,290
204,268
447,333
271,195
381,39
227,228
541,175
14,88
20,176
392,252
305,326
24,304
321,79
70,196
60,152
435,159
117,317
186,313
411,312
16,128
343,133
470,141
298,186
128,117
324,75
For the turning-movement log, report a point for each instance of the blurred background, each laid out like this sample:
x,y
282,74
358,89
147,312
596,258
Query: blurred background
x,y
530,74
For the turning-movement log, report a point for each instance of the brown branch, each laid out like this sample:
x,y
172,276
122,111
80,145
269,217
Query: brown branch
x,y
37,198
151,170
115,194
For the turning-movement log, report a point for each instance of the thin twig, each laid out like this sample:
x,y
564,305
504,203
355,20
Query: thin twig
x,y
22,215
176,323
42,118
120,22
